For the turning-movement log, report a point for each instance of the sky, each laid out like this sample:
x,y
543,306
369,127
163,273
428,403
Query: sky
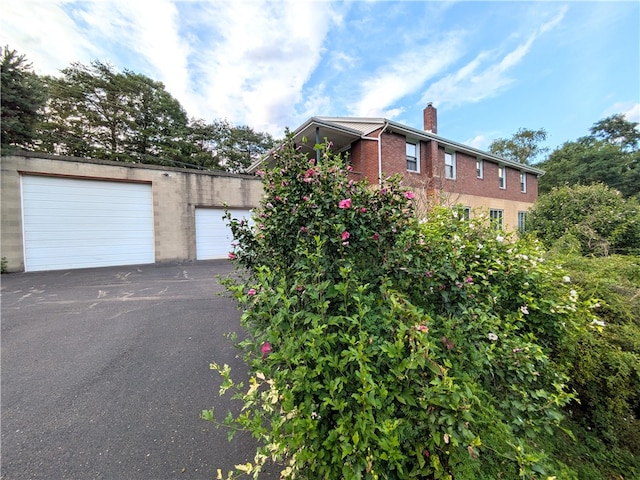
x,y
490,68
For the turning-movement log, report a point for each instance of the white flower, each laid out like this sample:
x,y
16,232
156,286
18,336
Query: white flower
x,y
492,336
566,279
499,239
524,310
600,323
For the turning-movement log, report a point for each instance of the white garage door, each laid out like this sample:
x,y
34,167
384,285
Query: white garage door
x,y
72,223
213,236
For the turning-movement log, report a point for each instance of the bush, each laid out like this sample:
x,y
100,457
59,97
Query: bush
x,y
598,217
380,347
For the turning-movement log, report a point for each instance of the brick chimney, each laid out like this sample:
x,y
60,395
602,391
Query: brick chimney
x,y
430,118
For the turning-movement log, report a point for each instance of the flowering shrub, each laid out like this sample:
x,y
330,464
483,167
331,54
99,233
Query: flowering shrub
x,y
380,347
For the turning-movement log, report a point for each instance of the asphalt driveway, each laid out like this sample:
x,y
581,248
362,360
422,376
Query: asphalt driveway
x,y
105,372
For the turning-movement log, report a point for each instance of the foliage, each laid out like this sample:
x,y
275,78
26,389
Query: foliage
x,y
609,155
97,112
607,358
23,94
524,146
3,265
384,348
597,217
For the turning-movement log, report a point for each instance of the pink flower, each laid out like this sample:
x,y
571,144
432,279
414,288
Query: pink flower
x,y
304,229
468,280
422,328
375,236
232,256
349,168
305,198
409,195
363,209
265,349
251,292
259,173
345,236
346,203
307,180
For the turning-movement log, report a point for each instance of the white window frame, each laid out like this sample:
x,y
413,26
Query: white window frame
x,y
497,217
466,213
480,168
451,167
522,220
416,144
502,177
523,182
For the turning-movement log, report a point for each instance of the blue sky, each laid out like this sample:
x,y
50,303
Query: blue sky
x,y
489,67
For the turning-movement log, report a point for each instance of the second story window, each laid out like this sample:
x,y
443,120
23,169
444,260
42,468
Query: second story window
x,y
523,182
449,165
480,168
412,157
502,176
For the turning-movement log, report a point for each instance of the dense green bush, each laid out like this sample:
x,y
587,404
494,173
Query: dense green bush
x,y
384,347
598,217
606,366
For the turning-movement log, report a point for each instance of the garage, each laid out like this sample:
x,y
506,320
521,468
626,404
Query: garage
x,y
80,223
213,236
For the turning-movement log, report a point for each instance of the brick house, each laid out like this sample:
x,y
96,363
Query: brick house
x,y
434,166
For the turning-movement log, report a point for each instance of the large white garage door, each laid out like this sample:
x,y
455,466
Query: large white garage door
x,y
213,236
73,223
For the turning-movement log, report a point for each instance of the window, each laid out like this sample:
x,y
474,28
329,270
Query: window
x,y
449,165
523,182
480,168
522,218
496,218
466,213
412,157
502,176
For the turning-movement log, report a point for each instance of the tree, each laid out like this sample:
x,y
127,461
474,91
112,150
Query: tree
x,y
23,94
237,147
97,112
598,217
618,131
609,155
523,147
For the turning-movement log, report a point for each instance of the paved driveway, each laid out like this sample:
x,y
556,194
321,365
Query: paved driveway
x,y
105,372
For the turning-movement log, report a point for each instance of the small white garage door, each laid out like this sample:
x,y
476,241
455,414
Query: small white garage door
x,y
213,236
74,223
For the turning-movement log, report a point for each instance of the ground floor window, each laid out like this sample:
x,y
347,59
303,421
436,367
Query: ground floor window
x,y
496,218
522,218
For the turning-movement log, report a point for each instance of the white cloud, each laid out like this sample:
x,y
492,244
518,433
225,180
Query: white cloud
x,y
487,74
44,33
406,74
260,58
630,110
481,142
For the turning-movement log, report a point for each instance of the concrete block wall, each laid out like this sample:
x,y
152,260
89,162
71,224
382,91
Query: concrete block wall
x,y
176,194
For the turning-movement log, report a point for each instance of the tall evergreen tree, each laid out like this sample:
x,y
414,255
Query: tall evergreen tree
x,y
22,94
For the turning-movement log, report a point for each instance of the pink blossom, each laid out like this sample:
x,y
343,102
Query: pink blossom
x,y
422,328
375,236
349,168
304,229
346,203
260,173
345,236
307,180
305,198
265,349
232,256
468,280
363,209
251,292
409,195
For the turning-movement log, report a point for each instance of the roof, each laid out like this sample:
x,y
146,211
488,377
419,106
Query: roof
x,y
342,131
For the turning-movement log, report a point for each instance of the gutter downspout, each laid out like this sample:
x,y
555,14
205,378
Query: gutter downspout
x,y
377,139
317,143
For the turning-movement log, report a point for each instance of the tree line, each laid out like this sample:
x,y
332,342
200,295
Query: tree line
x,y
94,111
